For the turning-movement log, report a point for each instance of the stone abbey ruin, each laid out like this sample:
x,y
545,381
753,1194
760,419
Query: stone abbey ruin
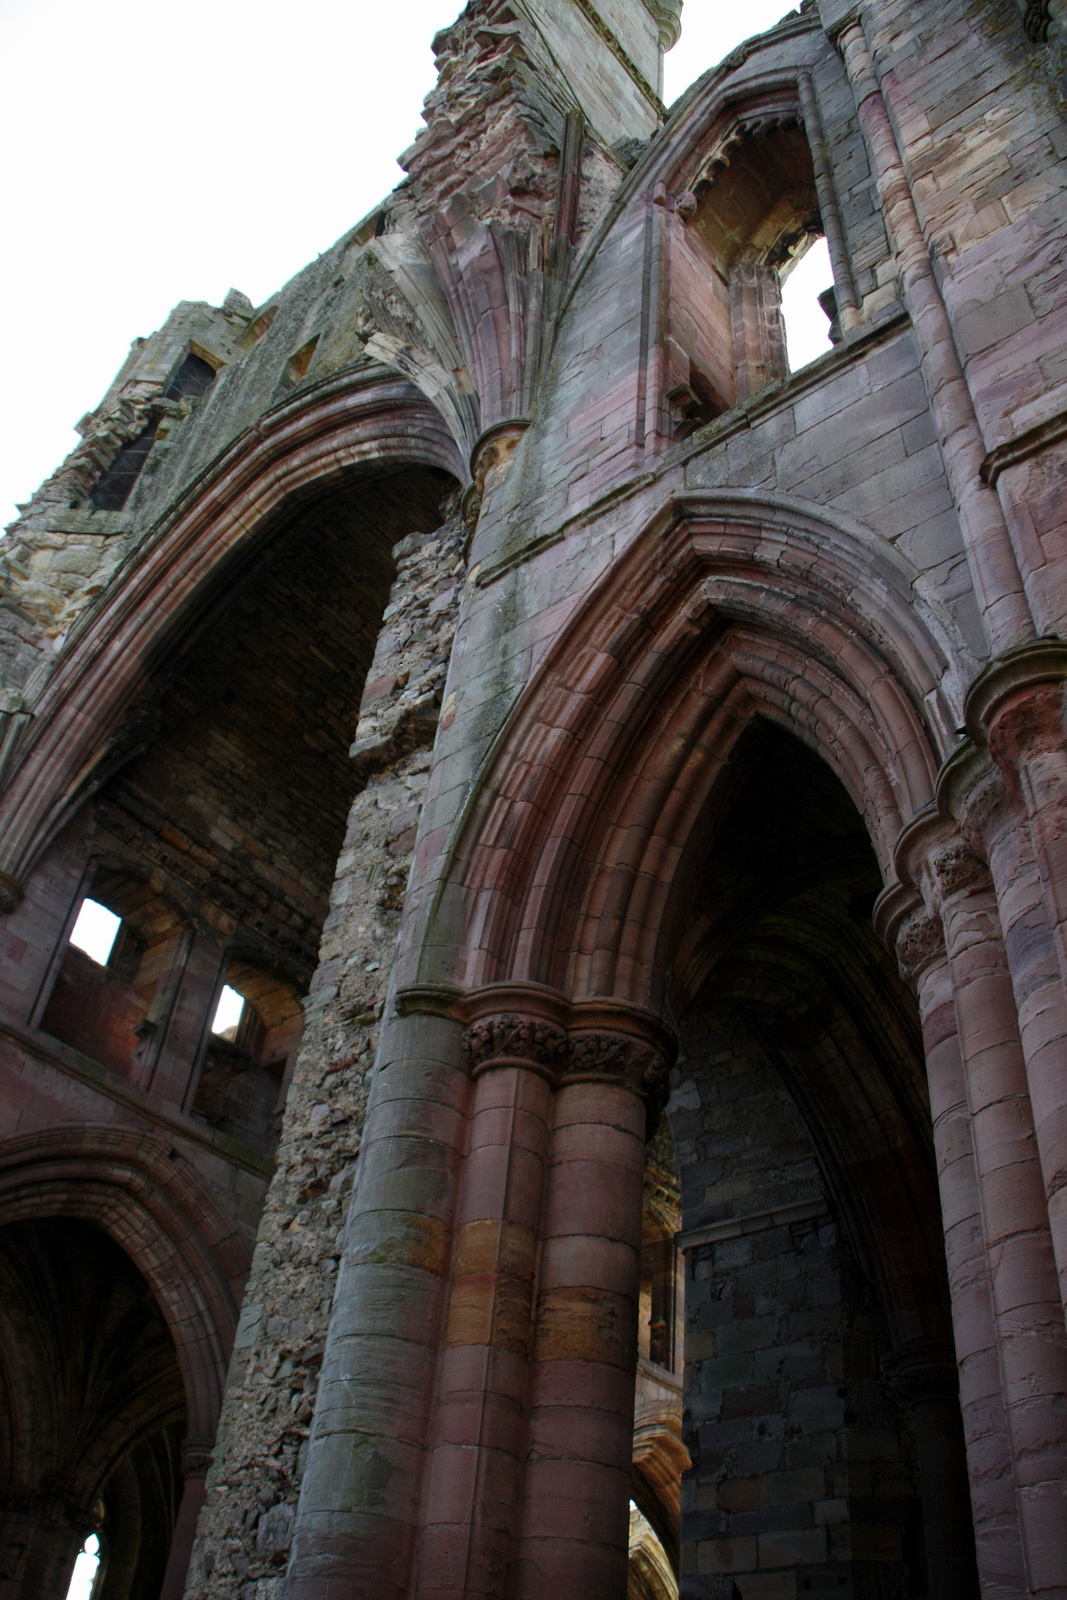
x,y
619,785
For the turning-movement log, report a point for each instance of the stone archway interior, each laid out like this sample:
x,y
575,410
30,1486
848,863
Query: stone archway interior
x,y
94,1414
810,1214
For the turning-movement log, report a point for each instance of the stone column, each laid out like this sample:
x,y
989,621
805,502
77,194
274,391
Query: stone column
x,y
991,557
195,1461
922,1376
1017,704
472,1493
575,1512
920,948
357,1521
1029,1324
756,320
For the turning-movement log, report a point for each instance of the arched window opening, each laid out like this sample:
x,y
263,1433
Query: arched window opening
x,y
809,307
250,1055
93,1400
117,978
83,1578
223,820
810,1226
115,484
749,226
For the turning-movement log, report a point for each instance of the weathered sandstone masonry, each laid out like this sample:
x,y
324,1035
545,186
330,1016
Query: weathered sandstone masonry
x,y
624,779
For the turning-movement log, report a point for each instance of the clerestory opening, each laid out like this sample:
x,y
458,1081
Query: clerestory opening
x,y
250,1055
191,379
119,971
750,264
115,484
218,832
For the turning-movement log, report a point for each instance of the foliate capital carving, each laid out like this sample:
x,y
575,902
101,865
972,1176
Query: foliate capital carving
x,y
955,868
609,1057
511,1040
920,942
922,1370
598,1041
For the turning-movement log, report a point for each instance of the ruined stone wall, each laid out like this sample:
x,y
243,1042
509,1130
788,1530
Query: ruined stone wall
x,y
244,1537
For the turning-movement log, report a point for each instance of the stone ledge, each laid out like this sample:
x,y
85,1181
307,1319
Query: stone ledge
x,y
1029,443
755,1222
88,1071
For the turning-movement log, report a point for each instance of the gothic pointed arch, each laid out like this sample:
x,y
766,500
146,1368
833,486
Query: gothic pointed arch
x,y
729,607
366,424
161,1214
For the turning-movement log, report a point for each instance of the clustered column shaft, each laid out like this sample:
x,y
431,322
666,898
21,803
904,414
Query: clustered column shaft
x,y
518,1180
997,1547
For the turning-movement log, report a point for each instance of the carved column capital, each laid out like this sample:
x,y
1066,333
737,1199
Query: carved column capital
x,y
196,1456
509,1039
920,942
956,868
602,1056
922,1369
583,1041
1010,682
614,1042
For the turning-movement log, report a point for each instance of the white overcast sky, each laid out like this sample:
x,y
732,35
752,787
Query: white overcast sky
x,y
162,152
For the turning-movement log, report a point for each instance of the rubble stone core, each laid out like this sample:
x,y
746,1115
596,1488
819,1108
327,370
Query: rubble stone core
x,y
624,780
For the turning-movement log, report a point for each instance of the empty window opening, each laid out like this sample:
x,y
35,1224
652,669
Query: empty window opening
x,y
651,1575
84,1575
119,973
247,1066
192,379
228,1013
808,307
95,931
297,365
116,481
255,330
746,231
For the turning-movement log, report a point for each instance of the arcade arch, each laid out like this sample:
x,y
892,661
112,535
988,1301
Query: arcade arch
x,y
737,636
216,819
121,1279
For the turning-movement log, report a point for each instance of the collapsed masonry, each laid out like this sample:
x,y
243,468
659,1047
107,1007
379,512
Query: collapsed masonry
x,y
621,779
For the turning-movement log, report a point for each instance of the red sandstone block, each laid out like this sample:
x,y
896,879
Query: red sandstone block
x,y
579,1500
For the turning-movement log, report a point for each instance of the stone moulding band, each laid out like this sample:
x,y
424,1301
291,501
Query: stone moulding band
x,y
755,1222
629,66
1042,436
